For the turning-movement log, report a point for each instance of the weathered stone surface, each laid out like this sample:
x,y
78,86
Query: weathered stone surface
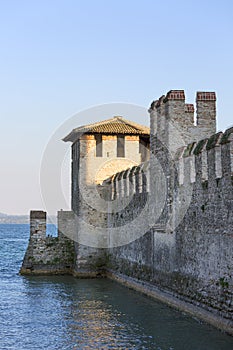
x,y
194,261
48,255
184,200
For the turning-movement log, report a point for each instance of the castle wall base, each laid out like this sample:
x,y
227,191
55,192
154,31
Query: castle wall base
x,y
173,300
152,273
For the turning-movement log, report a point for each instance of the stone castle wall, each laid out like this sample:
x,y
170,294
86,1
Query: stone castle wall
x,y
168,221
192,258
46,254
62,254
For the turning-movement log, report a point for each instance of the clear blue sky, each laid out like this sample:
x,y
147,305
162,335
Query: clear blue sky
x,y
60,57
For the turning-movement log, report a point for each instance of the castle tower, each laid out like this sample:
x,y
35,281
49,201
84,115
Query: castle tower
x,y
172,120
101,150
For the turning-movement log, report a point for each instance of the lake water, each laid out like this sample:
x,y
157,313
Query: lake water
x,y
68,313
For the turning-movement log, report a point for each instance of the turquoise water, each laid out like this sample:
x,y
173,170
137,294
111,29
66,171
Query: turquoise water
x,y
67,313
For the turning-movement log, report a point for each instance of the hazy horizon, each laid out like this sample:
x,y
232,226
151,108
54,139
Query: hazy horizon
x,y
59,58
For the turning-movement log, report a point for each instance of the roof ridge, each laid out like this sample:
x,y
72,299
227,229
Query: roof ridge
x,y
88,126
119,118
116,120
135,125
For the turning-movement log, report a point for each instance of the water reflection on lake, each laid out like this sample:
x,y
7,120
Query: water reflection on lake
x,y
100,314
65,313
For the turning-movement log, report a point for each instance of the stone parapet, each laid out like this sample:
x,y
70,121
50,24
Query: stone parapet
x,y
46,254
171,118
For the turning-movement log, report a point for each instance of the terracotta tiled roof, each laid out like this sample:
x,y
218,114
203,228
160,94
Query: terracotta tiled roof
x,y
116,125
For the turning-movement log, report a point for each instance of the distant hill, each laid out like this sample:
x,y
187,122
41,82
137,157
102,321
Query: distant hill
x,y
20,219
13,219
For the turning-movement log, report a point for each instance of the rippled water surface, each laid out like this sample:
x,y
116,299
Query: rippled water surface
x,y
67,313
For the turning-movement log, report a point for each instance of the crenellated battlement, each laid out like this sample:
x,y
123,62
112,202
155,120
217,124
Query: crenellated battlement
x,y
128,182
170,111
210,158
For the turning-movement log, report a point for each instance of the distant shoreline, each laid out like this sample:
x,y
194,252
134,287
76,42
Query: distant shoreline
x,y
14,219
18,219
